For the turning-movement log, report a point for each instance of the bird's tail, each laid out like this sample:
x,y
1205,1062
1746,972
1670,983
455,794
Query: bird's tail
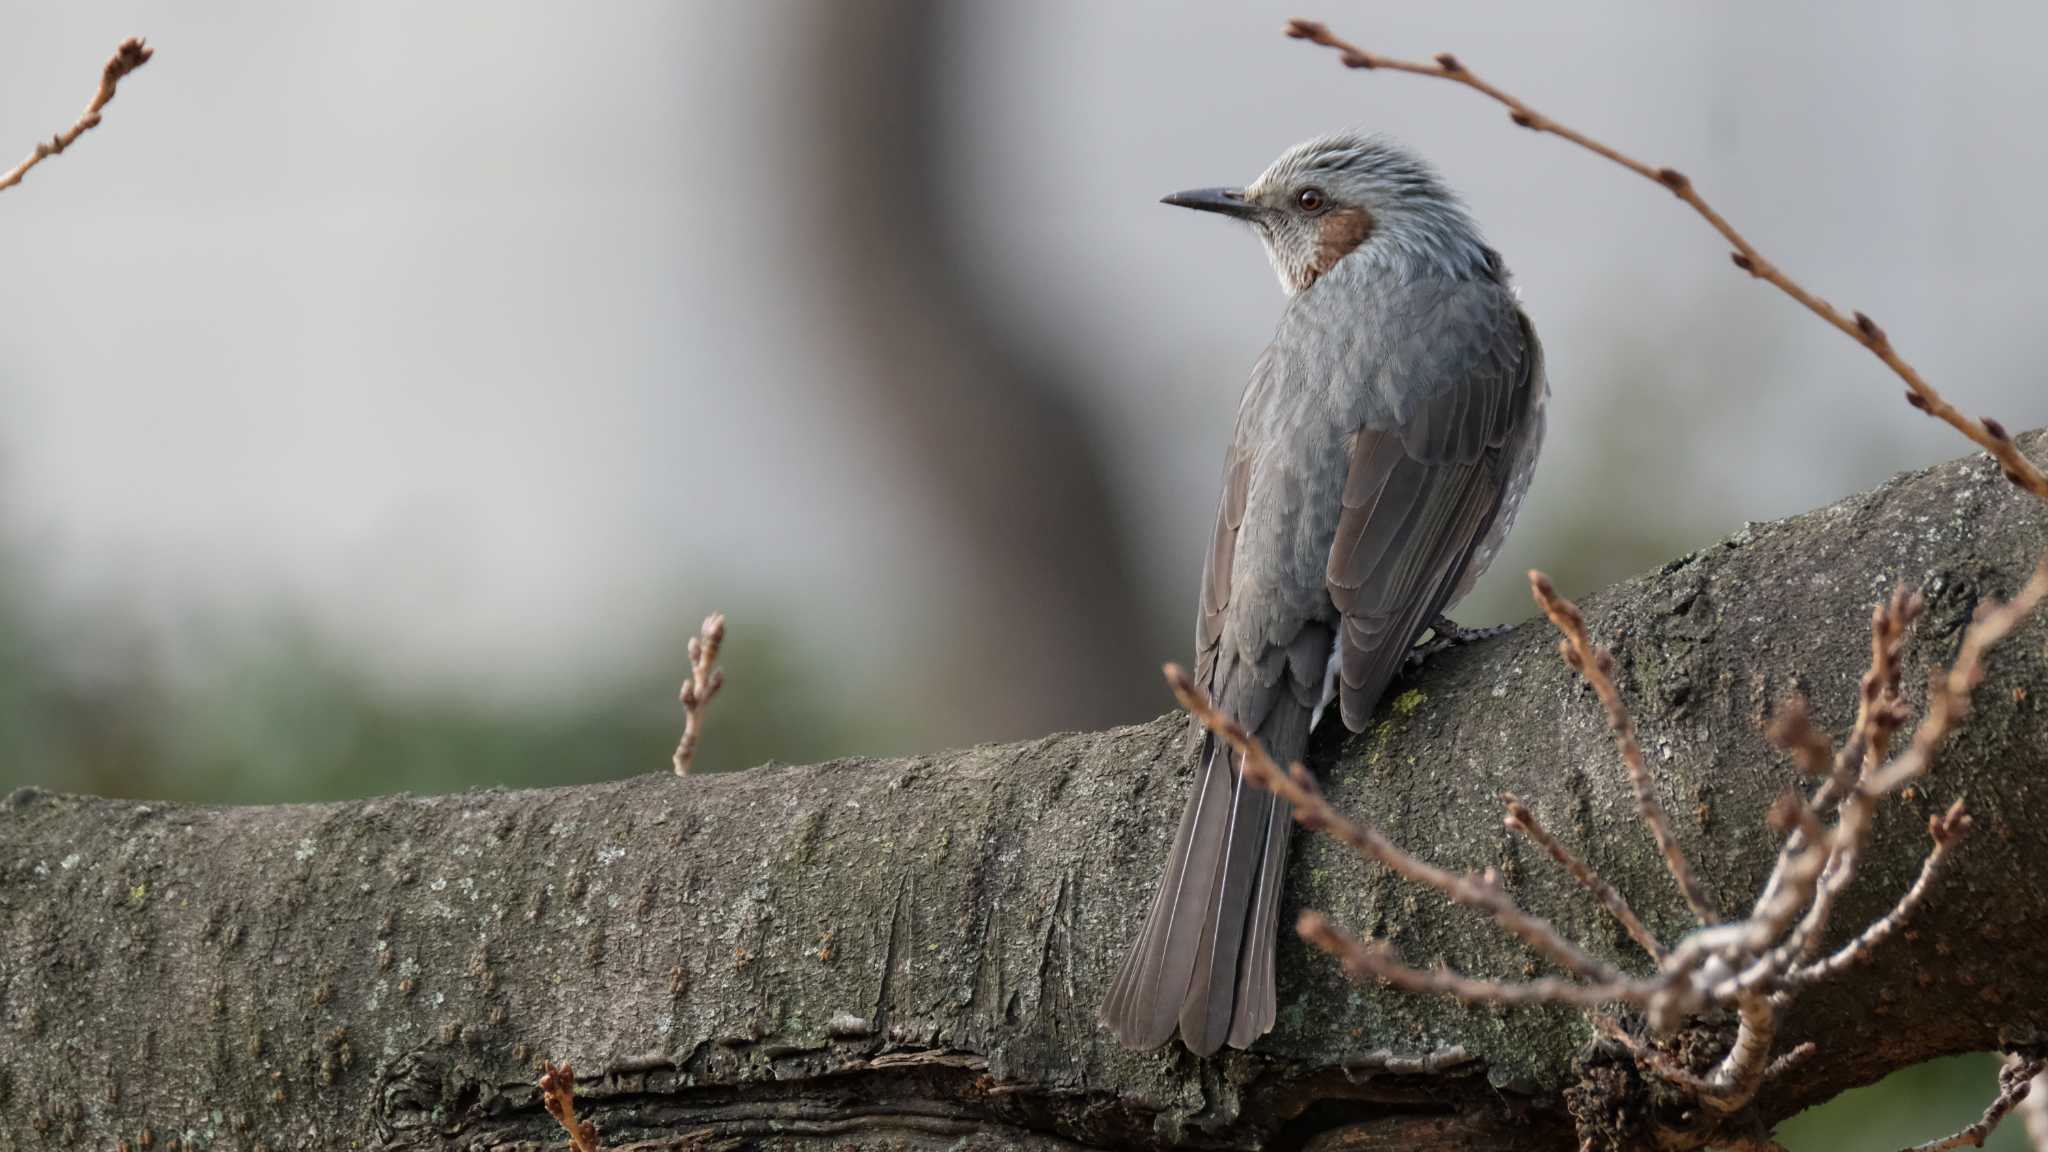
x,y
1204,962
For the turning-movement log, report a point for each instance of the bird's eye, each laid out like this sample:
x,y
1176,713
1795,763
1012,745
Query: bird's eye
x,y
1310,199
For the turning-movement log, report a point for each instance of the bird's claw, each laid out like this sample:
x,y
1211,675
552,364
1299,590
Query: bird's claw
x,y
1444,636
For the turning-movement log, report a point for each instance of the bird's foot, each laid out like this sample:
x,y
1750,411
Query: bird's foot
x,y
1444,636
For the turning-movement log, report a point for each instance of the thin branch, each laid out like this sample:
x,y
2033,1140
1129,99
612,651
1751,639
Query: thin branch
x,y
1947,830
558,1095
1987,434
1948,697
2015,1077
132,54
1313,812
1598,668
1879,713
1790,1061
706,678
1378,960
1521,819
1879,709
1800,867
2034,1112
1808,846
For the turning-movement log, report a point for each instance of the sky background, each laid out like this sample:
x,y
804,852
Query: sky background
x,y
382,382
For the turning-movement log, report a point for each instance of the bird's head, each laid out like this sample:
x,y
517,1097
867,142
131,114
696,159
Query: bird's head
x,y
1325,199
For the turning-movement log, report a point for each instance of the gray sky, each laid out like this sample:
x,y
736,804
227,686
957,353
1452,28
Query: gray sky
x,y
474,331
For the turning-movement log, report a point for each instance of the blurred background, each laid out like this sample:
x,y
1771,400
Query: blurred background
x,y
388,390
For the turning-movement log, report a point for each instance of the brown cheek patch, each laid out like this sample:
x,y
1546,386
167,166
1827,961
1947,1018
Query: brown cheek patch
x,y
1342,230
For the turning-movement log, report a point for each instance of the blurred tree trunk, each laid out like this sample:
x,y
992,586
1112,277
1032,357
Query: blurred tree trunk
x,y
908,954
974,406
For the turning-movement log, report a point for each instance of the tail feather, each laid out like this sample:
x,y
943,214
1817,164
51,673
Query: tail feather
x,y
1205,1013
1143,1006
1256,1009
1204,961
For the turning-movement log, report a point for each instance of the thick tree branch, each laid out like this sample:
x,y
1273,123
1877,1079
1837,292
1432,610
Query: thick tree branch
x,y
903,953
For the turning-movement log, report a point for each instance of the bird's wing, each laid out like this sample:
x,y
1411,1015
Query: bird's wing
x,y
1219,563
1450,364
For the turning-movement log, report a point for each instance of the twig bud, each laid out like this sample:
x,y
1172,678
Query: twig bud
x,y
1951,826
1352,58
1996,429
1673,179
1784,812
1448,62
1522,118
1303,778
1306,30
1743,262
1917,400
1868,328
1184,690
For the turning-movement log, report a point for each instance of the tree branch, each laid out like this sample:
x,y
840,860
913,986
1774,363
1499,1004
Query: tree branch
x,y
132,54
905,953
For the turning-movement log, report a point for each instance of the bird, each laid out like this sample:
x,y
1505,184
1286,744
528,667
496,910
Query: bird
x,y
1379,457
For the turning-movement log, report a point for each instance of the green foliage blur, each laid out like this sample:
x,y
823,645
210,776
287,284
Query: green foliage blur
x,y
275,714
1906,1108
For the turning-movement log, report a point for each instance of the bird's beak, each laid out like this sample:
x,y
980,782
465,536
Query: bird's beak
x,y
1228,201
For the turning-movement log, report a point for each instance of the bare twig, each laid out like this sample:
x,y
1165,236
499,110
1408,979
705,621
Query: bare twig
x,y
1879,710
132,54
1378,961
1879,713
1799,867
1521,819
558,1094
2034,1112
1947,830
706,678
1948,697
1598,669
2015,1077
1314,812
1790,1060
1987,434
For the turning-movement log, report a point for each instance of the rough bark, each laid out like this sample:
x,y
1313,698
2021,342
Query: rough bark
x,y
907,953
